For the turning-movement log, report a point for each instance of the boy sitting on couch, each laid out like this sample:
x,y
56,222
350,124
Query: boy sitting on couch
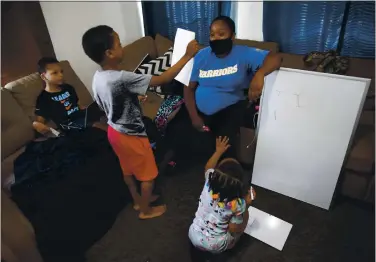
x,y
58,101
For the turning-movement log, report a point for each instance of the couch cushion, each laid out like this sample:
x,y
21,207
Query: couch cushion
x,y
293,61
26,89
17,233
370,194
271,46
16,128
151,105
363,68
362,153
7,168
136,51
367,117
355,185
369,103
162,44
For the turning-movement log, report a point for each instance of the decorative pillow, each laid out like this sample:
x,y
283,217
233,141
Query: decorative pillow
x,y
155,67
144,60
158,65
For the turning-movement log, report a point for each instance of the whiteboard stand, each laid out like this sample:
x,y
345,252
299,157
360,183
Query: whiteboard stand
x,y
306,125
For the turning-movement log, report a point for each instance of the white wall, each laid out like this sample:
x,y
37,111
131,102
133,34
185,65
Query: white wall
x,y
68,21
249,18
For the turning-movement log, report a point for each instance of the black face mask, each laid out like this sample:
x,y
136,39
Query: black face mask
x,y
222,46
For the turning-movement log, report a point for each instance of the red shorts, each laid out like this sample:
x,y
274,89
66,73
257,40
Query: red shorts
x,y
135,155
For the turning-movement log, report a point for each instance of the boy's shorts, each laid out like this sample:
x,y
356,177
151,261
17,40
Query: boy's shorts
x,y
135,155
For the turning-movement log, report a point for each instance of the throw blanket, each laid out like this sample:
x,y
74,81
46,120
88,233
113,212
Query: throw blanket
x,y
71,189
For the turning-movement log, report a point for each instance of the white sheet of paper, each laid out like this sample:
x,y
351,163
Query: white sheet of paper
x,y
182,39
304,132
267,228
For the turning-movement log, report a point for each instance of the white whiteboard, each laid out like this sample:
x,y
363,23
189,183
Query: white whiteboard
x,y
267,228
307,120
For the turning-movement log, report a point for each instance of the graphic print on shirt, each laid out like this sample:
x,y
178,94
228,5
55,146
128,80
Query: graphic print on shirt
x,y
222,82
219,72
129,110
65,100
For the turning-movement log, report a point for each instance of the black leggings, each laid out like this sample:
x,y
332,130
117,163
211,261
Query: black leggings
x,y
226,122
188,143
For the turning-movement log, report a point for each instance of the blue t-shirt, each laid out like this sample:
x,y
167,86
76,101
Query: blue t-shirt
x,y
221,81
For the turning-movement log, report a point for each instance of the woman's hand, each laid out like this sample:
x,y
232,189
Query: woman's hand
x,y
256,86
221,144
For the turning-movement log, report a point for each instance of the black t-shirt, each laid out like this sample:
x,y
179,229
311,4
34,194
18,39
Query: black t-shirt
x,y
59,107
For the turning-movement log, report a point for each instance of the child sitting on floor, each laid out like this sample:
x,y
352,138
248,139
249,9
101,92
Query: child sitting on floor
x,y
222,214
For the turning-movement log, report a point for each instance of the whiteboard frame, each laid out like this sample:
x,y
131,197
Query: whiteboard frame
x,y
367,82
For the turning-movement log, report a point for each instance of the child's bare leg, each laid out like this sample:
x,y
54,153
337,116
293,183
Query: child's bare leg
x,y
128,179
146,211
134,193
236,236
153,198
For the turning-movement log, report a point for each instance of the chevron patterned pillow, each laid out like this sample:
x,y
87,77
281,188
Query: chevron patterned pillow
x,y
156,67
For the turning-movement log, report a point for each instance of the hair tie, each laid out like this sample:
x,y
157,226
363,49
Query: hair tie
x,y
234,205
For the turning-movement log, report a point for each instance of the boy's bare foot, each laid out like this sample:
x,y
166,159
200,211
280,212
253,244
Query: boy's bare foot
x,y
154,212
152,199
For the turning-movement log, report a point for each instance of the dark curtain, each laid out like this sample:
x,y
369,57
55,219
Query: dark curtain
x,y
302,27
155,18
165,17
359,36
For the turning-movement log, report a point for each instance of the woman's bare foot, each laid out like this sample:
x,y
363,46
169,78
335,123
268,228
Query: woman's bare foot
x,y
153,212
152,199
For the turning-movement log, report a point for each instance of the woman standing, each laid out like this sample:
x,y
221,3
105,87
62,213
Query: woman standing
x,y
215,95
